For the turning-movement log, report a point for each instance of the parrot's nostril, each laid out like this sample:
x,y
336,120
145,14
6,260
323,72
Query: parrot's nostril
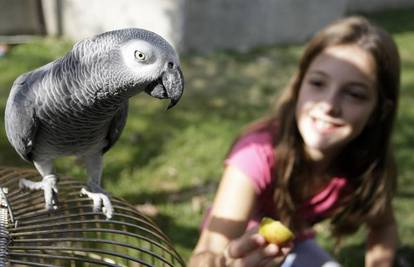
x,y
170,65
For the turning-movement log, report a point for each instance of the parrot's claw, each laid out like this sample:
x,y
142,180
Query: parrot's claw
x,y
49,187
100,202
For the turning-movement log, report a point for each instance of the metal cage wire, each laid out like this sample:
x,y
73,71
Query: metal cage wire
x,y
74,235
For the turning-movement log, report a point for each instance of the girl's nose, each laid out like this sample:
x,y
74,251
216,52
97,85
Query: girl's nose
x,y
330,103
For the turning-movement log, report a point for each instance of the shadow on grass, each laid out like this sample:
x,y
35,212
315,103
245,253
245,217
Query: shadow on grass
x,y
183,236
405,257
353,255
184,194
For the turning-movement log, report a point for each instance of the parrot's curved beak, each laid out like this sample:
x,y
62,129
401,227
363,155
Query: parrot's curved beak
x,y
173,81
170,85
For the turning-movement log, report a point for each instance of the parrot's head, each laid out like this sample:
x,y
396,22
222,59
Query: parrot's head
x,y
140,60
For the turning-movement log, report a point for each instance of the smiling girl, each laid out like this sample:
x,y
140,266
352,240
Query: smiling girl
x,y
325,153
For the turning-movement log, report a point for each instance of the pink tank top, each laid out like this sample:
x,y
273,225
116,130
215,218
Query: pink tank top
x,y
254,155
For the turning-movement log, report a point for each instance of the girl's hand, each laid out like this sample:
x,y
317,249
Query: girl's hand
x,y
251,249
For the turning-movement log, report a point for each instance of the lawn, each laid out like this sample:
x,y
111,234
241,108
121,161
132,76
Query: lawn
x,y
168,163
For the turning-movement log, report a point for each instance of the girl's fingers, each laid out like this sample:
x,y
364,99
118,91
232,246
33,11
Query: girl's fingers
x,y
245,245
285,250
268,256
260,256
278,260
253,250
275,262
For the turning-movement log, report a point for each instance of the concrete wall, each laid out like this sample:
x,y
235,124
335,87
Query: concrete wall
x,y
79,18
20,17
240,24
190,25
196,25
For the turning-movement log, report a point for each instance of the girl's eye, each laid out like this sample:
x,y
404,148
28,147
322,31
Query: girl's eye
x,y
316,82
356,95
139,55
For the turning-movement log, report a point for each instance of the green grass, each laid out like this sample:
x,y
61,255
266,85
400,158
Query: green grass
x,y
173,159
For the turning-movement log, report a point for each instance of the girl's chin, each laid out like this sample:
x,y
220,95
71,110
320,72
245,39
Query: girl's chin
x,y
324,147
321,145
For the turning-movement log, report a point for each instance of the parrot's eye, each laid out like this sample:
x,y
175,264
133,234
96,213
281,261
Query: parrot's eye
x,y
139,55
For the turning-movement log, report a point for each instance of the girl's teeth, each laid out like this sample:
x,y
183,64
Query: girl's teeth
x,y
323,124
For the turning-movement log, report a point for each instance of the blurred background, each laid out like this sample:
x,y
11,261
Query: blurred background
x,y
236,56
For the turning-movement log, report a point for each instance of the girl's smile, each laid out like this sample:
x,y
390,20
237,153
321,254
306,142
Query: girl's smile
x,y
336,99
324,125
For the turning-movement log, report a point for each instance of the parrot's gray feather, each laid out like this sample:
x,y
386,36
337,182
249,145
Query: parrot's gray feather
x,y
78,104
116,126
21,122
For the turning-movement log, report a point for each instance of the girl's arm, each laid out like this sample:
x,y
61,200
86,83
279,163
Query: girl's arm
x,y
382,241
223,240
227,220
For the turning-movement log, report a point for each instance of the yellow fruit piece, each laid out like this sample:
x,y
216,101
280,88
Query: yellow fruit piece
x,y
274,231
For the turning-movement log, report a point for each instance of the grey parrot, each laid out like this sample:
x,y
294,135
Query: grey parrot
x,y
77,105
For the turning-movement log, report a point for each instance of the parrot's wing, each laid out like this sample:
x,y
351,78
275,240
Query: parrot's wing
x,y
20,117
116,126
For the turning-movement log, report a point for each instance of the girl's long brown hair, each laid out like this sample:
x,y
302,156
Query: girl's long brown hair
x,y
368,161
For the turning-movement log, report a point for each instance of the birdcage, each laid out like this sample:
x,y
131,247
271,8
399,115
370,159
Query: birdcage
x,y
74,235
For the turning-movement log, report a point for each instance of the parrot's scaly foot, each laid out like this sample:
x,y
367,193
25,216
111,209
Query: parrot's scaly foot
x,y
100,200
49,187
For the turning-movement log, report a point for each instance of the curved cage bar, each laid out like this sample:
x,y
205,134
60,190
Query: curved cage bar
x,y
74,235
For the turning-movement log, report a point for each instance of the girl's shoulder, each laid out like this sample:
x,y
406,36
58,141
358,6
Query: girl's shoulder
x,y
261,138
253,153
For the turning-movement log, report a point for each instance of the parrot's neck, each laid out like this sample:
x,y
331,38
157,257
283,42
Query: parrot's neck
x,y
87,84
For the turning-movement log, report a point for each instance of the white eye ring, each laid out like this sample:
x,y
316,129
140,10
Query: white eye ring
x,y
139,55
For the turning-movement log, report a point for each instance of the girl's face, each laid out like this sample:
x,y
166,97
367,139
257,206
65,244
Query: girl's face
x,y
336,99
